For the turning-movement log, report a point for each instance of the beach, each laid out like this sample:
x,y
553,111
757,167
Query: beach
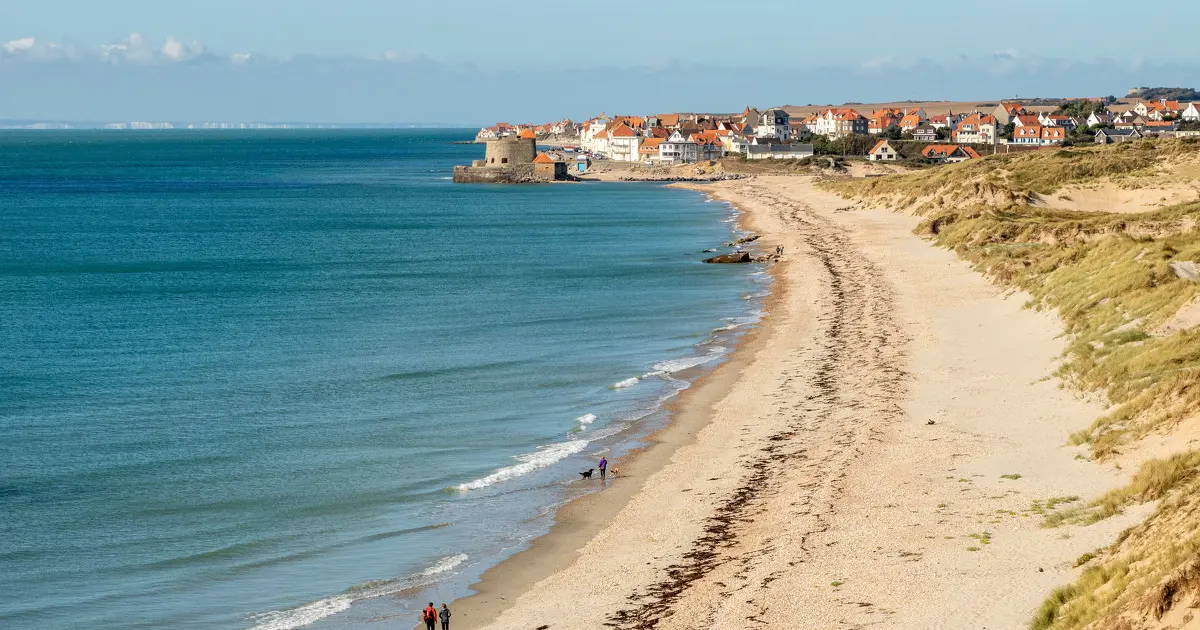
x,y
876,452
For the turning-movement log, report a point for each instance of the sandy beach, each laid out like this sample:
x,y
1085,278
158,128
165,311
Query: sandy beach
x,y
876,453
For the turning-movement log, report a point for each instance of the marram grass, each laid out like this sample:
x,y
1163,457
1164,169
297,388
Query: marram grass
x,y
1111,279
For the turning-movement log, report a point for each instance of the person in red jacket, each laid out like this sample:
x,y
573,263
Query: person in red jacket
x,y
429,616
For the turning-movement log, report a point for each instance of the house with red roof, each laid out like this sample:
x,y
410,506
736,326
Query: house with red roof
x,y
941,121
1156,110
879,122
948,153
911,121
1026,120
1004,112
548,168
623,140
1039,135
1053,135
648,149
976,129
837,123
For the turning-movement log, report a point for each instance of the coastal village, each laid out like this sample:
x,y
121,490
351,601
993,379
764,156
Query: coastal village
x,y
887,134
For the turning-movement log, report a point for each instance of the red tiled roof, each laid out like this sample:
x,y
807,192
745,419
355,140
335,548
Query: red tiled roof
x,y
621,131
1028,131
938,150
542,158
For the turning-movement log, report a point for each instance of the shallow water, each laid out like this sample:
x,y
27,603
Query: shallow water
x,y
252,378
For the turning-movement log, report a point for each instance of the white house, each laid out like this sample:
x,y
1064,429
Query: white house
x,y
773,123
623,143
882,152
976,129
590,129
676,149
1190,113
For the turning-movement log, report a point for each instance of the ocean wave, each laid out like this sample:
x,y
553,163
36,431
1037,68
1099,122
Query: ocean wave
x,y
312,612
586,418
669,367
544,456
629,382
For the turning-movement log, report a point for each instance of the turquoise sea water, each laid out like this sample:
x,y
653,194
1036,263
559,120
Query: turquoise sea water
x,y
288,378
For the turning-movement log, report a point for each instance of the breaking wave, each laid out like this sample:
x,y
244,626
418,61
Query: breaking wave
x,y
541,458
312,612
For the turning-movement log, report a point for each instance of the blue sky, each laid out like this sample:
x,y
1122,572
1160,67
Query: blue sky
x,y
383,61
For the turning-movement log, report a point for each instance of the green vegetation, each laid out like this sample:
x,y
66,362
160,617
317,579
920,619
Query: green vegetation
x,y
836,584
854,145
1013,476
1082,108
1169,93
1113,280
1086,557
1152,482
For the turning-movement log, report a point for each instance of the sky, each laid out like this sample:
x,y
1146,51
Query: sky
x,y
477,61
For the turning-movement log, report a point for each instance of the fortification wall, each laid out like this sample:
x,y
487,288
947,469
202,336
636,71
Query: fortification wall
x,y
510,151
514,174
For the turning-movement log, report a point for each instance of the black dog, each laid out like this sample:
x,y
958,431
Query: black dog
x,y
588,474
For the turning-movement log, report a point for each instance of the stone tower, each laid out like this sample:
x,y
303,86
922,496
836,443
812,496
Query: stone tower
x,y
509,152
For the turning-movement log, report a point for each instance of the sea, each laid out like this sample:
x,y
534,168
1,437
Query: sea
x,y
282,379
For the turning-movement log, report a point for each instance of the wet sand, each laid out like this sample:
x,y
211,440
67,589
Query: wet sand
x,y
872,454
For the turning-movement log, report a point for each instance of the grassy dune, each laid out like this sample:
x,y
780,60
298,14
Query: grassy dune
x,y
1119,282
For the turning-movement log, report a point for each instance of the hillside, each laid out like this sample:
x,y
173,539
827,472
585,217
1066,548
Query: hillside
x,y
1124,276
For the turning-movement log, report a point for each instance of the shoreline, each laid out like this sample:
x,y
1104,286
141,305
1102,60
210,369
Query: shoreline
x,y
579,520
874,454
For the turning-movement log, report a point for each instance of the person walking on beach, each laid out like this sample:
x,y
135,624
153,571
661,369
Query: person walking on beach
x,y
445,616
429,616
603,466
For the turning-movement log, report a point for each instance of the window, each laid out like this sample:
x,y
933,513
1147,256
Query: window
x,y
504,160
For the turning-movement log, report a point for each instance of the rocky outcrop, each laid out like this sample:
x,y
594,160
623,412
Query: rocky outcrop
x,y
742,241
735,257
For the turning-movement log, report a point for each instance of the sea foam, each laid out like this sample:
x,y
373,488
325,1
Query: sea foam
x,y
312,612
629,382
544,456
586,418
669,367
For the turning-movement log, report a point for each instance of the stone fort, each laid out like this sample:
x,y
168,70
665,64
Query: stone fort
x,y
512,160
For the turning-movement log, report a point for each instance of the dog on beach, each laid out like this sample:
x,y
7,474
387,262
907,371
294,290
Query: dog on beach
x,y
588,474
613,471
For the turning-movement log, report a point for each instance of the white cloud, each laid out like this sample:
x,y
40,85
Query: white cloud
x,y
19,44
240,58
134,49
